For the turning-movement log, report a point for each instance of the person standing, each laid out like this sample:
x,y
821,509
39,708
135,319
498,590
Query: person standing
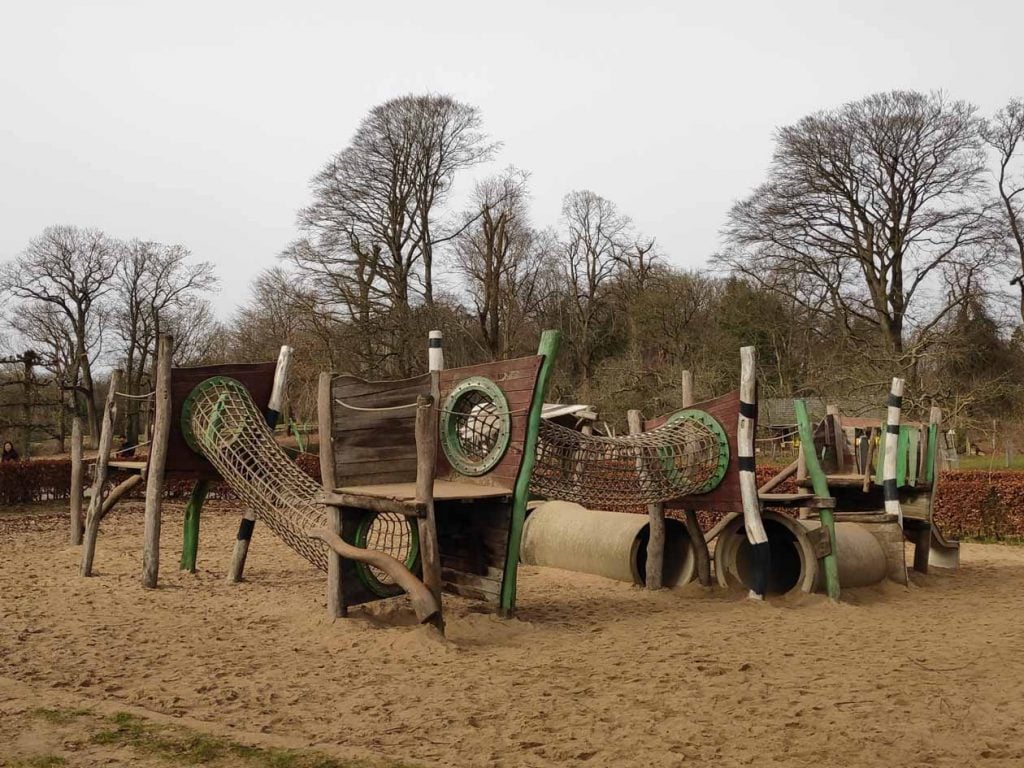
x,y
10,453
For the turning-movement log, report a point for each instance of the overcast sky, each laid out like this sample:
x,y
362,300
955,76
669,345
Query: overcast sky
x,y
201,122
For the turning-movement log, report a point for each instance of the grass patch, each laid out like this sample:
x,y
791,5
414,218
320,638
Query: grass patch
x,y
1013,541
39,761
183,747
58,716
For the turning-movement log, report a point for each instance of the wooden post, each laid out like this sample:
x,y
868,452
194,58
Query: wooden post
x,y
548,349
94,516
930,470
892,437
157,463
275,407
77,476
688,398
820,484
426,459
868,461
190,543
655,514
700,545
756,535
336,608
801,475
833,419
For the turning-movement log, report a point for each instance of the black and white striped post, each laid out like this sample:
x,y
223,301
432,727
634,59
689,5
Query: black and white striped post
x,y
892,437
273,413
756,535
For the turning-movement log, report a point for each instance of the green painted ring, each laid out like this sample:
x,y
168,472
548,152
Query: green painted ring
x,y
366,574
451,443
189,405
709,421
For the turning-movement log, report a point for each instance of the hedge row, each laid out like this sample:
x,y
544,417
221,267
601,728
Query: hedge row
x,y
979,504
50,480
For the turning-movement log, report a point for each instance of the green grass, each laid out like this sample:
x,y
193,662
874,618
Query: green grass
x,y
991,463
176,745
39,761
180,746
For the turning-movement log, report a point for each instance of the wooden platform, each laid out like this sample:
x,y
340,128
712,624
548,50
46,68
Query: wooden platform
x,y
131,466
795,500
444,490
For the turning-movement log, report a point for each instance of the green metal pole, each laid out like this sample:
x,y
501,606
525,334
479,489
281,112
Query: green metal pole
x,y
190,545
820,484
548,348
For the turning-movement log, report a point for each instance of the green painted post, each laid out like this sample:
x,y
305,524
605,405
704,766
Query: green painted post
x,y
190,545
820,484
548,347
929,457
902,447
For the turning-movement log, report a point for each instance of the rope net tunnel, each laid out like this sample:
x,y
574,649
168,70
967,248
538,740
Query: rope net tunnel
x,y
687,455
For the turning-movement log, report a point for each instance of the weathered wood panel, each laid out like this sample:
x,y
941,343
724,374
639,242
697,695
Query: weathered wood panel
x,y
258,378
372,447
726,497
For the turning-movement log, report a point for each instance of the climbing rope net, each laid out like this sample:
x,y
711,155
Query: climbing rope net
x,y
680,458
231,432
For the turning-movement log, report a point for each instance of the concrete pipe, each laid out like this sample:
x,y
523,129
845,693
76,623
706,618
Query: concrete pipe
x,y
560,534
794,565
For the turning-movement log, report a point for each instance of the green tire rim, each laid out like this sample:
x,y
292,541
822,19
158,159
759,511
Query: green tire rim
x,y
188,407
483,390
365,572
709,421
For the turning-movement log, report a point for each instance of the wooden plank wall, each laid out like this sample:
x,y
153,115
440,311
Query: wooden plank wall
x,y
517,379
375,447
726,497
473,539
258,378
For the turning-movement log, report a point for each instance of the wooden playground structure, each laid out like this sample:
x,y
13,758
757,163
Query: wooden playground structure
x,y
445,482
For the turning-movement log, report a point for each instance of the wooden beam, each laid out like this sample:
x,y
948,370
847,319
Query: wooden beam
x,y
94,516
780,478
336,607
118,492
426,461
424,602
752,522
548,349
820,484
835,421
375,503
655,516
700,545
77,477
157,463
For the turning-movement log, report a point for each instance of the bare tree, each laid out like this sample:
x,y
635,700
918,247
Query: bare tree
x,y
155,284
71,269
502,259
1004,133
867,204
376,217
597,240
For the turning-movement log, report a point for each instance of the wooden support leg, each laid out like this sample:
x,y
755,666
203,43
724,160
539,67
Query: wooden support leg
x,y
95,514
157,463
237,569
700,548
336,608
426,454
190,544
922,549
77,473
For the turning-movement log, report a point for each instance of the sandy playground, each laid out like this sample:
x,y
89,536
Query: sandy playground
x,y
592,673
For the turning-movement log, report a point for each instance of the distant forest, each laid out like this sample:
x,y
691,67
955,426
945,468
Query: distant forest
x,y
886,239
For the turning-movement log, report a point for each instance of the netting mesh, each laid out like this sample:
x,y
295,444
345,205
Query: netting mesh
x,y
233,435
391,533
606,472
476,424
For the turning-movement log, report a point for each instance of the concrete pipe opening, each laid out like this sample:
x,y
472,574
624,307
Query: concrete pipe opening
x,y
561,534
794,567
794,563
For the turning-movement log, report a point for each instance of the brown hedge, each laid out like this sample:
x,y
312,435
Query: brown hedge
x,y
977,504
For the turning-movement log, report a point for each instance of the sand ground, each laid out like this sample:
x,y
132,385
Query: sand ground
x,y
592,672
